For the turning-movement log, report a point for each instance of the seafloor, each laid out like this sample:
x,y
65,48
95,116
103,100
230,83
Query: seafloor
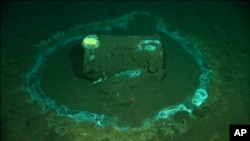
x,y
220,28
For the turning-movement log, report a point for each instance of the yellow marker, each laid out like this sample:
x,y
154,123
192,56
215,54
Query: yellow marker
x,y
91,42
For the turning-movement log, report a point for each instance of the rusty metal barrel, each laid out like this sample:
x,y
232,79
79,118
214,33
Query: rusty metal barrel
x,y
118,55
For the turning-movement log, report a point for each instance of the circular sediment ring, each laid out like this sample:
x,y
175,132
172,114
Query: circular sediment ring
x,y
62,39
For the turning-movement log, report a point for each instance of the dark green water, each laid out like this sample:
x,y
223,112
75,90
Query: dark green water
x,y
221,28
